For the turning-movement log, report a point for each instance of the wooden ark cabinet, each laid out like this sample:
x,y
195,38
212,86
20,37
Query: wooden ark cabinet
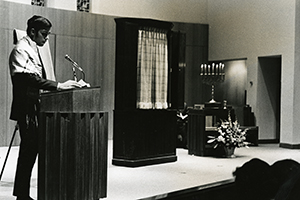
x,y
140,137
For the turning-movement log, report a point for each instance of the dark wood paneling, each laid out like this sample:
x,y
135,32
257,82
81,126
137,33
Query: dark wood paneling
x,y
125,65
73,156
198,134
196,53
177,49
234,86
141,137
73,127
76,100
193,87
144,137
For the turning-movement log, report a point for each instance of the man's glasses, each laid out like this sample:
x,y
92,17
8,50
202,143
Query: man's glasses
x,y
45,33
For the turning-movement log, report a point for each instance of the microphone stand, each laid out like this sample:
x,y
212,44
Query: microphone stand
x,y
82,72
83,75
74,74
75,65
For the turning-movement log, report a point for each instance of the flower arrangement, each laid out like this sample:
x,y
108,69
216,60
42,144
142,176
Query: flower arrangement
x,y
230,135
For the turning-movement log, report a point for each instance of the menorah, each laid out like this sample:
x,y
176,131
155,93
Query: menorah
x,y
212,74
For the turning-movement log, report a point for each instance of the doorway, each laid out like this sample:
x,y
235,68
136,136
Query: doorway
x,y
268,97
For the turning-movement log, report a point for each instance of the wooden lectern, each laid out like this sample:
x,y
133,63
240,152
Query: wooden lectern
x,y
201,124
73,146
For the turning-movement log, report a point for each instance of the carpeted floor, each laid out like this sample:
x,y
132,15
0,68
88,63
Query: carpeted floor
x,y
141,182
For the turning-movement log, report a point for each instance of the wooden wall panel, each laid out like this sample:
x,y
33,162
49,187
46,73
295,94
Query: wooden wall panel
x,y
65,45
6,125
109,27
4,75
90,25
108,79
64,22
91,56
70,23
193,89
18,15
94,53
75,33
10,124
3,14
196,53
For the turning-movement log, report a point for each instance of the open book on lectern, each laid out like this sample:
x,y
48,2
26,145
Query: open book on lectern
x,y
83,83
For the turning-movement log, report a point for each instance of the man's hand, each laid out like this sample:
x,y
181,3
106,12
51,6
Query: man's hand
x,y
68,85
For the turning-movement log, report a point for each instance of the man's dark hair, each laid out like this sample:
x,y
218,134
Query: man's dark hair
x,y
37,22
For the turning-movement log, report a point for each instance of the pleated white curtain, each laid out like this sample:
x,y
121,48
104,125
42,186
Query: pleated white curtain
x,y
152,69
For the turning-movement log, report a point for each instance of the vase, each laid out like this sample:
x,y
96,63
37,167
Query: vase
x,y
229,152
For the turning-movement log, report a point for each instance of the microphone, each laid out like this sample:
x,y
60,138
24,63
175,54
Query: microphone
x,y
76,66
73,62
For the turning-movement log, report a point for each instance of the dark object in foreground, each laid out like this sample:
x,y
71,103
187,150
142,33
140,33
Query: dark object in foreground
x,y
258,180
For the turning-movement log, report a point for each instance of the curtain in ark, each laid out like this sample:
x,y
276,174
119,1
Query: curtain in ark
x,y
152,69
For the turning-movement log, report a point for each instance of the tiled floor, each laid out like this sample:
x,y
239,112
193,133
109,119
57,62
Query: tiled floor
x,y
135,183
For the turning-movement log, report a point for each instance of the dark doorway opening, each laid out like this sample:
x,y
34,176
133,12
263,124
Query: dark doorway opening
x,y
268,96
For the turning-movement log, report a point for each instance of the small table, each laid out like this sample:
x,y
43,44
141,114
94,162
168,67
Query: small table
x,y
202,123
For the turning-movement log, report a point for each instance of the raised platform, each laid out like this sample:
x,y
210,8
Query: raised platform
x,y
144,162
188,172
220,190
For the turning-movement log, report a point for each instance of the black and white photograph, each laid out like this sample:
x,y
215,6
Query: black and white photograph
x,y
149,100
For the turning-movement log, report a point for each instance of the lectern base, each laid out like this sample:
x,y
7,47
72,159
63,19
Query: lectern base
x,y
73,156
143,162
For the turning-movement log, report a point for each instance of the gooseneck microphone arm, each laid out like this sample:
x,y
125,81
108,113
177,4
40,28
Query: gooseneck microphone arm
x,y
75,65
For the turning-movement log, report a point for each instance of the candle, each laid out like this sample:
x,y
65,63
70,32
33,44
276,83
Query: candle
x,y
201,73
223,72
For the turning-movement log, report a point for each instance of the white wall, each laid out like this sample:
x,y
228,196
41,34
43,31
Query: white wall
x,y
59,4
296,88
193,11
250,29
62,4
21,1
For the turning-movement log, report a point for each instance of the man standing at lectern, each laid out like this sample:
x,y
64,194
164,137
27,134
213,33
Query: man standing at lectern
x,y
28,78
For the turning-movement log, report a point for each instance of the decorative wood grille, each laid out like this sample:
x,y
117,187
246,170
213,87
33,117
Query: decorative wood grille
x,y
83,5
38,2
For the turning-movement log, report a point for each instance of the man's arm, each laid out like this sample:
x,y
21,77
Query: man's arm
x,y
36,81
